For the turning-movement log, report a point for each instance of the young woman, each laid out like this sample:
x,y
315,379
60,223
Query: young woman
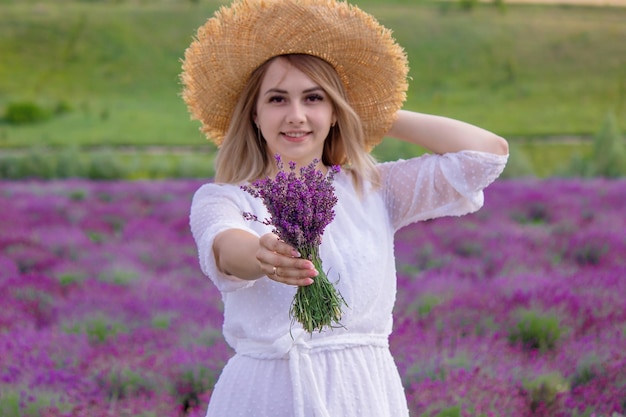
x,y
316,79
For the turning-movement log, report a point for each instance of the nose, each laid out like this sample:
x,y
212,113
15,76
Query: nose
x,y
296,113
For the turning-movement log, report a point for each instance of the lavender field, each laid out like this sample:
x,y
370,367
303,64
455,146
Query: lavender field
x,y
518,310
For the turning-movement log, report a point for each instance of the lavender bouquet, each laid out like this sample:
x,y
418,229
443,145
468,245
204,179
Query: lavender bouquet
x,y
300,207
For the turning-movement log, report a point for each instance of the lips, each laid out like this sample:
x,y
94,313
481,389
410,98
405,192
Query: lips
x,y
295,135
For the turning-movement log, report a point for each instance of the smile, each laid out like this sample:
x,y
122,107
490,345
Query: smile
x,y
295,135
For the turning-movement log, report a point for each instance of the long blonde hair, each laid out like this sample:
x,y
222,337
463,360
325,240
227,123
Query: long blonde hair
x,y
244,156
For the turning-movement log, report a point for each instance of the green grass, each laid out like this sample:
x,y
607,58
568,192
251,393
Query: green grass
x,y
106,163
116,65
530,71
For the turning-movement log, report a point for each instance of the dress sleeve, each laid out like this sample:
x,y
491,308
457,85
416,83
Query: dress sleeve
x,y
433,186
215,208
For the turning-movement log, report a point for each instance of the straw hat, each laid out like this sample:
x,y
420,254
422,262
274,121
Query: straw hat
x,y
241,37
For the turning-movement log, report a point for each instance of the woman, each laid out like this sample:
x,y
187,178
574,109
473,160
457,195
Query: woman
x,y
316,79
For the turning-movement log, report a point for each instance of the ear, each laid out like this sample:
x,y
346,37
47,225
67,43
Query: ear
x,y
255,119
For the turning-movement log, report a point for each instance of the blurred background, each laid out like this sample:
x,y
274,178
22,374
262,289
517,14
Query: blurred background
x,y
90,88
516,310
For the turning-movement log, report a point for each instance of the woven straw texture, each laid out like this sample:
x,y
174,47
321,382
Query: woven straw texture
x,y
241,37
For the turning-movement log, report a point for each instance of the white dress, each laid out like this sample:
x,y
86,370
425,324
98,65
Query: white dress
x,y
278,369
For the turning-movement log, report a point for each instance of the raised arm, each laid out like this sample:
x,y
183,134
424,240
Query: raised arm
x,y
442,135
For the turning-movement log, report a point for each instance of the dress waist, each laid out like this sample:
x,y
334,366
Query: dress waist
x,y
302,342
297,350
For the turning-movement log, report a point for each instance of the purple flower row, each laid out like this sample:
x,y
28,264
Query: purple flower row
x,y
516,310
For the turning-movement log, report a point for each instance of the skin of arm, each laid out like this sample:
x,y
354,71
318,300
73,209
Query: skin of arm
x,y
443,135
249,257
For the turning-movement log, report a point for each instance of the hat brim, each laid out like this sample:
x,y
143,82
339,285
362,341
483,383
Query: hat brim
x,y
241,37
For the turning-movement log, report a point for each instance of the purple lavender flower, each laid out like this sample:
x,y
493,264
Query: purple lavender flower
x,y
63,244
300,207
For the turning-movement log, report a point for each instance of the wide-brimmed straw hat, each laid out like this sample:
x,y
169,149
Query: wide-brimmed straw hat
x,y
241,37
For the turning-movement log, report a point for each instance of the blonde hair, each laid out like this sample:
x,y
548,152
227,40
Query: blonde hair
x,y
244,156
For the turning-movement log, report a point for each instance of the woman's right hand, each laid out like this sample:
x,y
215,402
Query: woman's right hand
x,y
282,263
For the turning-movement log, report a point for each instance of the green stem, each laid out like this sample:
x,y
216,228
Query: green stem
x,y
317,305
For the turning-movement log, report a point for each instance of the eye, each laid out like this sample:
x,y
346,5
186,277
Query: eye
x,y
276,99
315,97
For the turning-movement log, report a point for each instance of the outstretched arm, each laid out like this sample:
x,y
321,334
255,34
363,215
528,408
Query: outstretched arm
x,y
442,135
249,257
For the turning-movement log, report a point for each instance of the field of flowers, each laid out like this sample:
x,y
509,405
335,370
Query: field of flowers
x,y
517,310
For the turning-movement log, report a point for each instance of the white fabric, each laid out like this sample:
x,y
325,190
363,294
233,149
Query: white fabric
x,y
279,370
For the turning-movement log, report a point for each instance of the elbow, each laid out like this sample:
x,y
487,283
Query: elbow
x,y
499,146
218,246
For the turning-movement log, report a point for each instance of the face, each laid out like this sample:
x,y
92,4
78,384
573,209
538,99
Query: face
x,y
293,113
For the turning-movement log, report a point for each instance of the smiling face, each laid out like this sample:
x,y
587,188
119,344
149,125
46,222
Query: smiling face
x,y
294,113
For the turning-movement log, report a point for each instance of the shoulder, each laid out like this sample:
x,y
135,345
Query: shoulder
x,y
212,193
218,190
454,158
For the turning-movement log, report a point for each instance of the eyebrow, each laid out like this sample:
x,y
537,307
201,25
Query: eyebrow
x,y
279,91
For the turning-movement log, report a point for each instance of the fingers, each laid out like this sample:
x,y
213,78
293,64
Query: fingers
x,y
294,276
282,263
272,243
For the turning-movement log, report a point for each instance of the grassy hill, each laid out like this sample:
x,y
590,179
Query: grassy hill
x,y
110,68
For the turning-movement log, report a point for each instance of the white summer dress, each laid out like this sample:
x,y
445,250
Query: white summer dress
x,y
278,369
